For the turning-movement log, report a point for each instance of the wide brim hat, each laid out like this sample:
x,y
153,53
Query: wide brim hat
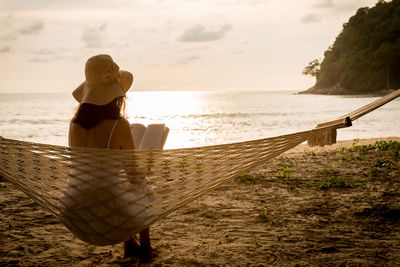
x,y
104,81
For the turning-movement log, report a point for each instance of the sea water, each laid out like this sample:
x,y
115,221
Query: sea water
x,y
198,118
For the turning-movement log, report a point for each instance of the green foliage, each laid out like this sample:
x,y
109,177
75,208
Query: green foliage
x,y
360,156
379,145
262,215
365,56
355,141
247,177
335,182
310,153
383,163
291,188
387,145
285,172
373,172
312,68
358,152
346,157
328,171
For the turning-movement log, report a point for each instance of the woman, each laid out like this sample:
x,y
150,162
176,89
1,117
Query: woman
x,y
100,123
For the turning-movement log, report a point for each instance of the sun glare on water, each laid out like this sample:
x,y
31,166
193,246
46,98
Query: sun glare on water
x,y
174,109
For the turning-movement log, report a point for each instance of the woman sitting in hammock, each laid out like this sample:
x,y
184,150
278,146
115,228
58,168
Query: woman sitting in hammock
x,y
92,192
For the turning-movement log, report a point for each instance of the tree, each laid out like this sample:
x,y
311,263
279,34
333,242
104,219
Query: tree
x,y
365,57
312,68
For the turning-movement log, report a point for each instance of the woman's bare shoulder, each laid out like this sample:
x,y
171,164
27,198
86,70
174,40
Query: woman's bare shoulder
x,y
122,137
124,123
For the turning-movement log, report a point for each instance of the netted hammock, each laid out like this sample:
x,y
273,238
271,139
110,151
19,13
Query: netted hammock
x,y
106,196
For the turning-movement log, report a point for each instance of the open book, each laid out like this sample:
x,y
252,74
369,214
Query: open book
x,y
151,137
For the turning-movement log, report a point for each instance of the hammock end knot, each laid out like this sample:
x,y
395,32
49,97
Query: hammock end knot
x,y
326,133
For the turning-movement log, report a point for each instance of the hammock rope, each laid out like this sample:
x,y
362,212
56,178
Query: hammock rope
x,y
106,196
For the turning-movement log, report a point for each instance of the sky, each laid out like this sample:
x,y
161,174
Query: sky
x,y
168,44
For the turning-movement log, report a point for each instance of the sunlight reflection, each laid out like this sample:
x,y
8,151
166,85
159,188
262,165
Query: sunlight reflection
x,y
197,118
177,109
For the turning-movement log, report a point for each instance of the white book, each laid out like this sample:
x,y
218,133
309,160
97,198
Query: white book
x,y
151,137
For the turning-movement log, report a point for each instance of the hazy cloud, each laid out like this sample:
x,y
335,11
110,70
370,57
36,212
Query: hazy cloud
x,y
198,33
188,59
325,4
8,20
12,31
49,51
94,37
46,57
311,18
194,49
259,2
5,49
43,51
34,28
10,36
342,6
39,60
185,60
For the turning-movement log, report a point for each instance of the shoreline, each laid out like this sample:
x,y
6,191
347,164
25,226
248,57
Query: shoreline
x,y
340,90
288,211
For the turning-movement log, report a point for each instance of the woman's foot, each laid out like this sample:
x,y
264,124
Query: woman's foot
x,y
131,248
146,253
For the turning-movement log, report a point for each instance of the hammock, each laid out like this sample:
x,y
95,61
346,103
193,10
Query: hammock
x,y
104,196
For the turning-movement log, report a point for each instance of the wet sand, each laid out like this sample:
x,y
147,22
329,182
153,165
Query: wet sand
x,y
310,206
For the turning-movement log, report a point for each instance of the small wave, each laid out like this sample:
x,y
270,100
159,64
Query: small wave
x,y
34,122
227,115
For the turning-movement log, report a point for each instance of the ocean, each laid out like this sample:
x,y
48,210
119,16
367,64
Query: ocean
x,y
198,118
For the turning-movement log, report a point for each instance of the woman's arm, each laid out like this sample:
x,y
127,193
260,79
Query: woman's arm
x,y
122,136
122,139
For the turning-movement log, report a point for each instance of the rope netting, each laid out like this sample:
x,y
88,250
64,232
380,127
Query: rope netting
x,y
106,196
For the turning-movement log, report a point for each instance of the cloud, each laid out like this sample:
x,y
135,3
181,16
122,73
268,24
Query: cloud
x,y
11,29
10,36
46,57
259,2
185,60
39,60
198,33
49,51
5,49
34,28
43,51
192,50
8,20
311,18
188,59
325,4
343,6
94,37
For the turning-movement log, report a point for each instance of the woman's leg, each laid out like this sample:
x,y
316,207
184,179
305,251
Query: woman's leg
x,y
145,238
145,245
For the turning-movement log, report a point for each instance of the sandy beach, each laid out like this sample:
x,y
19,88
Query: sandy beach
x,y
336,206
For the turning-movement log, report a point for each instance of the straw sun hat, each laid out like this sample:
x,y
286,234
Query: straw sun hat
x,y
104,81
